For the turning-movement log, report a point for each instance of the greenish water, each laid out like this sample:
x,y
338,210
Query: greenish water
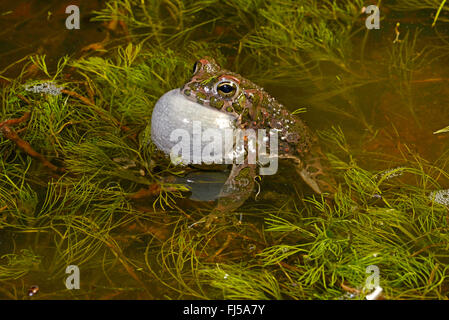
x,y
375,103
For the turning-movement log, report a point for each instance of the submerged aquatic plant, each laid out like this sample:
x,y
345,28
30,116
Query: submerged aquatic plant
x,y
18,265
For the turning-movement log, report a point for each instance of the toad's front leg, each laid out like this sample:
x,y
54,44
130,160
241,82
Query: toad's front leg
x,y
235,191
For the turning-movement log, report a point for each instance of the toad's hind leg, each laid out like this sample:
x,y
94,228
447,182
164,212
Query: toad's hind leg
x,y
314,170
236,190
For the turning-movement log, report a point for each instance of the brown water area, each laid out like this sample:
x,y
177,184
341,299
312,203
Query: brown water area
x,y
38,27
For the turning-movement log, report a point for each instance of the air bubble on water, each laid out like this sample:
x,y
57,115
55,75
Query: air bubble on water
x,y
440,196
390,173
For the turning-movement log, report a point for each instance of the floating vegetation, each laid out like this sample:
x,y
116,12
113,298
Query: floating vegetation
x,y
46,87
81,183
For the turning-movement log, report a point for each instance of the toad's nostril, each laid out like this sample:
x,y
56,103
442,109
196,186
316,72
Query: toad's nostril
x,y
196,67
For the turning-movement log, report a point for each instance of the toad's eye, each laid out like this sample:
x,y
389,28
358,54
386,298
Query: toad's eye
x,y
226,88
196,67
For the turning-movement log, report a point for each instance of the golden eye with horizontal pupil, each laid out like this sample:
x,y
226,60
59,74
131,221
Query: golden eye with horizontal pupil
x,y
226,88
